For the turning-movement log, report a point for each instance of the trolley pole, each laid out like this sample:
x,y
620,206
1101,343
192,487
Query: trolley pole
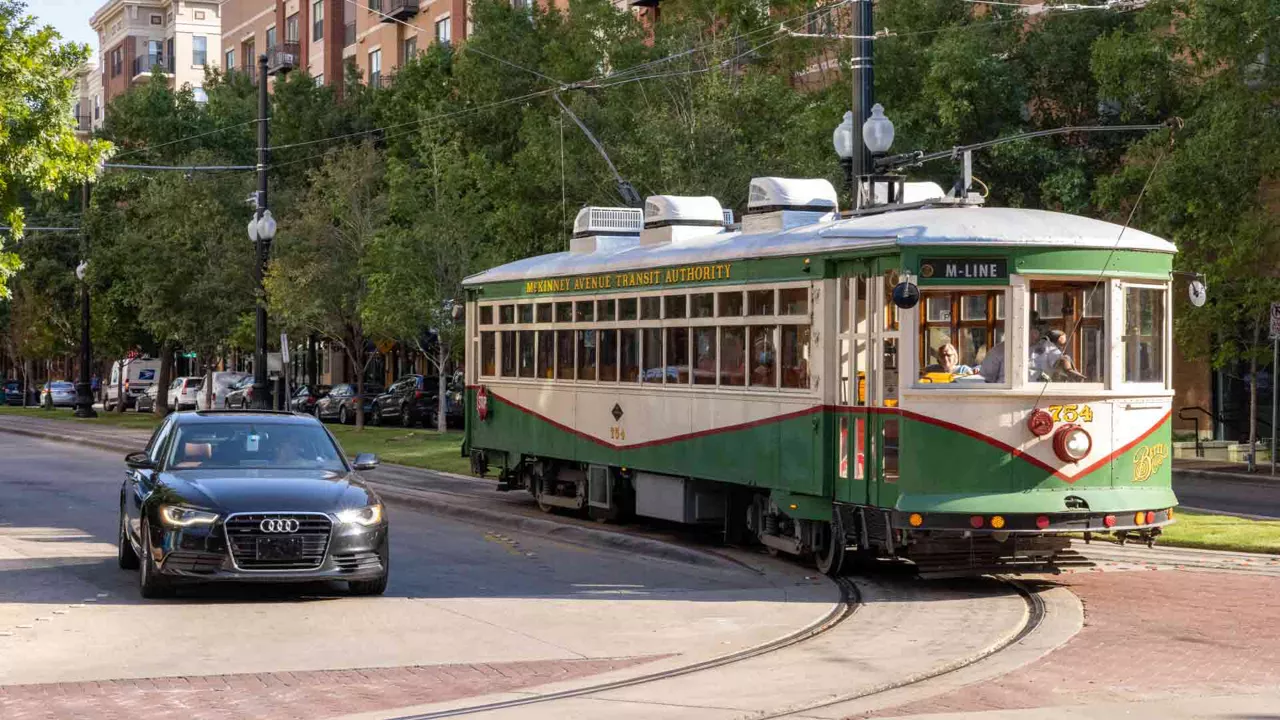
x,y
261,390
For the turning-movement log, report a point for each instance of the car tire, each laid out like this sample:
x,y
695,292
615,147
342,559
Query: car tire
x,y
342,415
244,404
125,556
150,584
376,419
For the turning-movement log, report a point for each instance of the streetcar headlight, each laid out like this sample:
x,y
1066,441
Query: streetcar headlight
x,y
1072,443
178,516
366,516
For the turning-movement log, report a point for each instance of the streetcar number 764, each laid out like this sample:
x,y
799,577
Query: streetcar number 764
x,y
1071,413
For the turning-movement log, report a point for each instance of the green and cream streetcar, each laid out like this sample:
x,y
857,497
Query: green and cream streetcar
x,y
956,385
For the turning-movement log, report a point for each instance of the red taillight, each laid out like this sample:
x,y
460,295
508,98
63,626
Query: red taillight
x,y
1109,521
1042,522
1151,517
975,521
417,394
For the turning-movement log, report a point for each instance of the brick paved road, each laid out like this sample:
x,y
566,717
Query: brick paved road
x,y
286,696
1147,635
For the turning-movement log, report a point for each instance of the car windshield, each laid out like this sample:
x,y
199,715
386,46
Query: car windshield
x,y
263,445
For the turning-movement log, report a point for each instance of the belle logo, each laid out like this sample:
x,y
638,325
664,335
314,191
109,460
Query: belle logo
x,y
1147,460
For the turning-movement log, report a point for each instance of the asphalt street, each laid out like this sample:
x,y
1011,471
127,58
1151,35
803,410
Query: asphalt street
x,y
1249,497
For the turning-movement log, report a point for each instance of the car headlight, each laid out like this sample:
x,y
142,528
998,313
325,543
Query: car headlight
x,y
178,516
366,516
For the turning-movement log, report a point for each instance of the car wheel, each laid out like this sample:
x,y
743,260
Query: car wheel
x,y
377,586
150,584
125,555
406,417
342,415
315,410
226,404
377,416
244,404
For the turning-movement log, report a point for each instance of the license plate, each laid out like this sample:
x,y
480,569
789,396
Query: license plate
x,y
279,548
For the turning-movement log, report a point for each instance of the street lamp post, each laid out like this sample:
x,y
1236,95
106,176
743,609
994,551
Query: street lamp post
x,y
261,230
877,137
84,387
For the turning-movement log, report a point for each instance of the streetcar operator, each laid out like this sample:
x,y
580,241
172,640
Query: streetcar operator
x,y
947,362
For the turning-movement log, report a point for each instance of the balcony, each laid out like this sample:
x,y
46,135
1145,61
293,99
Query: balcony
x,y
84,124
283,58
144,64
400,10
349,34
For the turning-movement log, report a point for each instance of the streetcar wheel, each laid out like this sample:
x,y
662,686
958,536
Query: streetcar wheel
x,y
542,505
829,558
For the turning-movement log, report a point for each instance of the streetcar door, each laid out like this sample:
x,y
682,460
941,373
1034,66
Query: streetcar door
x,y
852,421
884,419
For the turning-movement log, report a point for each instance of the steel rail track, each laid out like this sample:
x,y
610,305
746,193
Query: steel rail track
x,y
849,602
1034,617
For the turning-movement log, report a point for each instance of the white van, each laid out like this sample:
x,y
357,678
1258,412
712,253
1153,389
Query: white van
x,y
222,381
139,374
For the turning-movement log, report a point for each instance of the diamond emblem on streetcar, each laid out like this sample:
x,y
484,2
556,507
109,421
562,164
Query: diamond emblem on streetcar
x,y
617,412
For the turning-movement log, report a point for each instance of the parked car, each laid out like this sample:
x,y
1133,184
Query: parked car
x,y
239,395
225,497
13,392
222,382
184,391
57,393
135,375
305,398
340,403
409,400
146,402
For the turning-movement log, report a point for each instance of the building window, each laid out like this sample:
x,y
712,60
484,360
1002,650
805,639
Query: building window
x,y
317,20
198,49
199,14
97,107
410,48
291,28
443,32
271,38
157,19
375,68
117,62
231,59
375,5
320,80
170,55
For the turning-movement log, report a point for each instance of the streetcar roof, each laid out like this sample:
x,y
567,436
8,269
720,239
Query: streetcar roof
x,y
937,226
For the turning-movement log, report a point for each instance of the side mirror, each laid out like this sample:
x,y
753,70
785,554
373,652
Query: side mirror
x,y
365,461
138,461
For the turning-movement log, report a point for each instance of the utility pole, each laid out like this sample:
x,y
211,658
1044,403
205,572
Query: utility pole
x,y
262,248
84,387
864,92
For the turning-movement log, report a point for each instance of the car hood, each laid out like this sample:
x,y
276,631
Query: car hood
x,y
229,491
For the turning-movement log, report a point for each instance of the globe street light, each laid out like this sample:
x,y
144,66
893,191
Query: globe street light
x,y
877,131
262,230
842,138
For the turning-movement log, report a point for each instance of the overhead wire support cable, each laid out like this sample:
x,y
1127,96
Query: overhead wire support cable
x,y
919,157
179,168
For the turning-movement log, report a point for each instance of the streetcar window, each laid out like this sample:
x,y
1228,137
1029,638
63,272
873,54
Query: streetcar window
x,y
586,354
586,311
630,358
525,313
486,315
844,305
508,353
704,353
1068,326
627,309
677,306
795,356
730,304
702,305
546,354
608,310
653,354
609,355
488,354
678,355
793,301
760,302
650,308
564,312
526,353
763,356
733,356
958,331
564,355
1143,338
889,453
544,312
507,314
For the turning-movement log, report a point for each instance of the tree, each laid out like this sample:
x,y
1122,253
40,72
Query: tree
x,y
318,276
38,146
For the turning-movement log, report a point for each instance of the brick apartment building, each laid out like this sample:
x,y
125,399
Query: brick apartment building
x,y
178,38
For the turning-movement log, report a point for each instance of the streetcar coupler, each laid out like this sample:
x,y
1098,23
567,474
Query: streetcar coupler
x,y
1146,535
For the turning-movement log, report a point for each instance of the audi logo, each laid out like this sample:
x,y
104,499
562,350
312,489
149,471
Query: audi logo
x,y
278,525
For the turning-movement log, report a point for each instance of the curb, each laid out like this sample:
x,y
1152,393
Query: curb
x,y
1263,480
440,504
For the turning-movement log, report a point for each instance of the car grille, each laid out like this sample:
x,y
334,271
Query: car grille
x,y
196,562
243,532
357,561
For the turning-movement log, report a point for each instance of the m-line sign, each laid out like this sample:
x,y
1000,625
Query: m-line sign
x,y
964,269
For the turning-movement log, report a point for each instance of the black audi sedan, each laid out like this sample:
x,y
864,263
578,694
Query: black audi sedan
x,y
250,496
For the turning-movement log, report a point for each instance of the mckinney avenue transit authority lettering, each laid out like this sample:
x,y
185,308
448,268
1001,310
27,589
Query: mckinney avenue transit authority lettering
x,y
637,278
